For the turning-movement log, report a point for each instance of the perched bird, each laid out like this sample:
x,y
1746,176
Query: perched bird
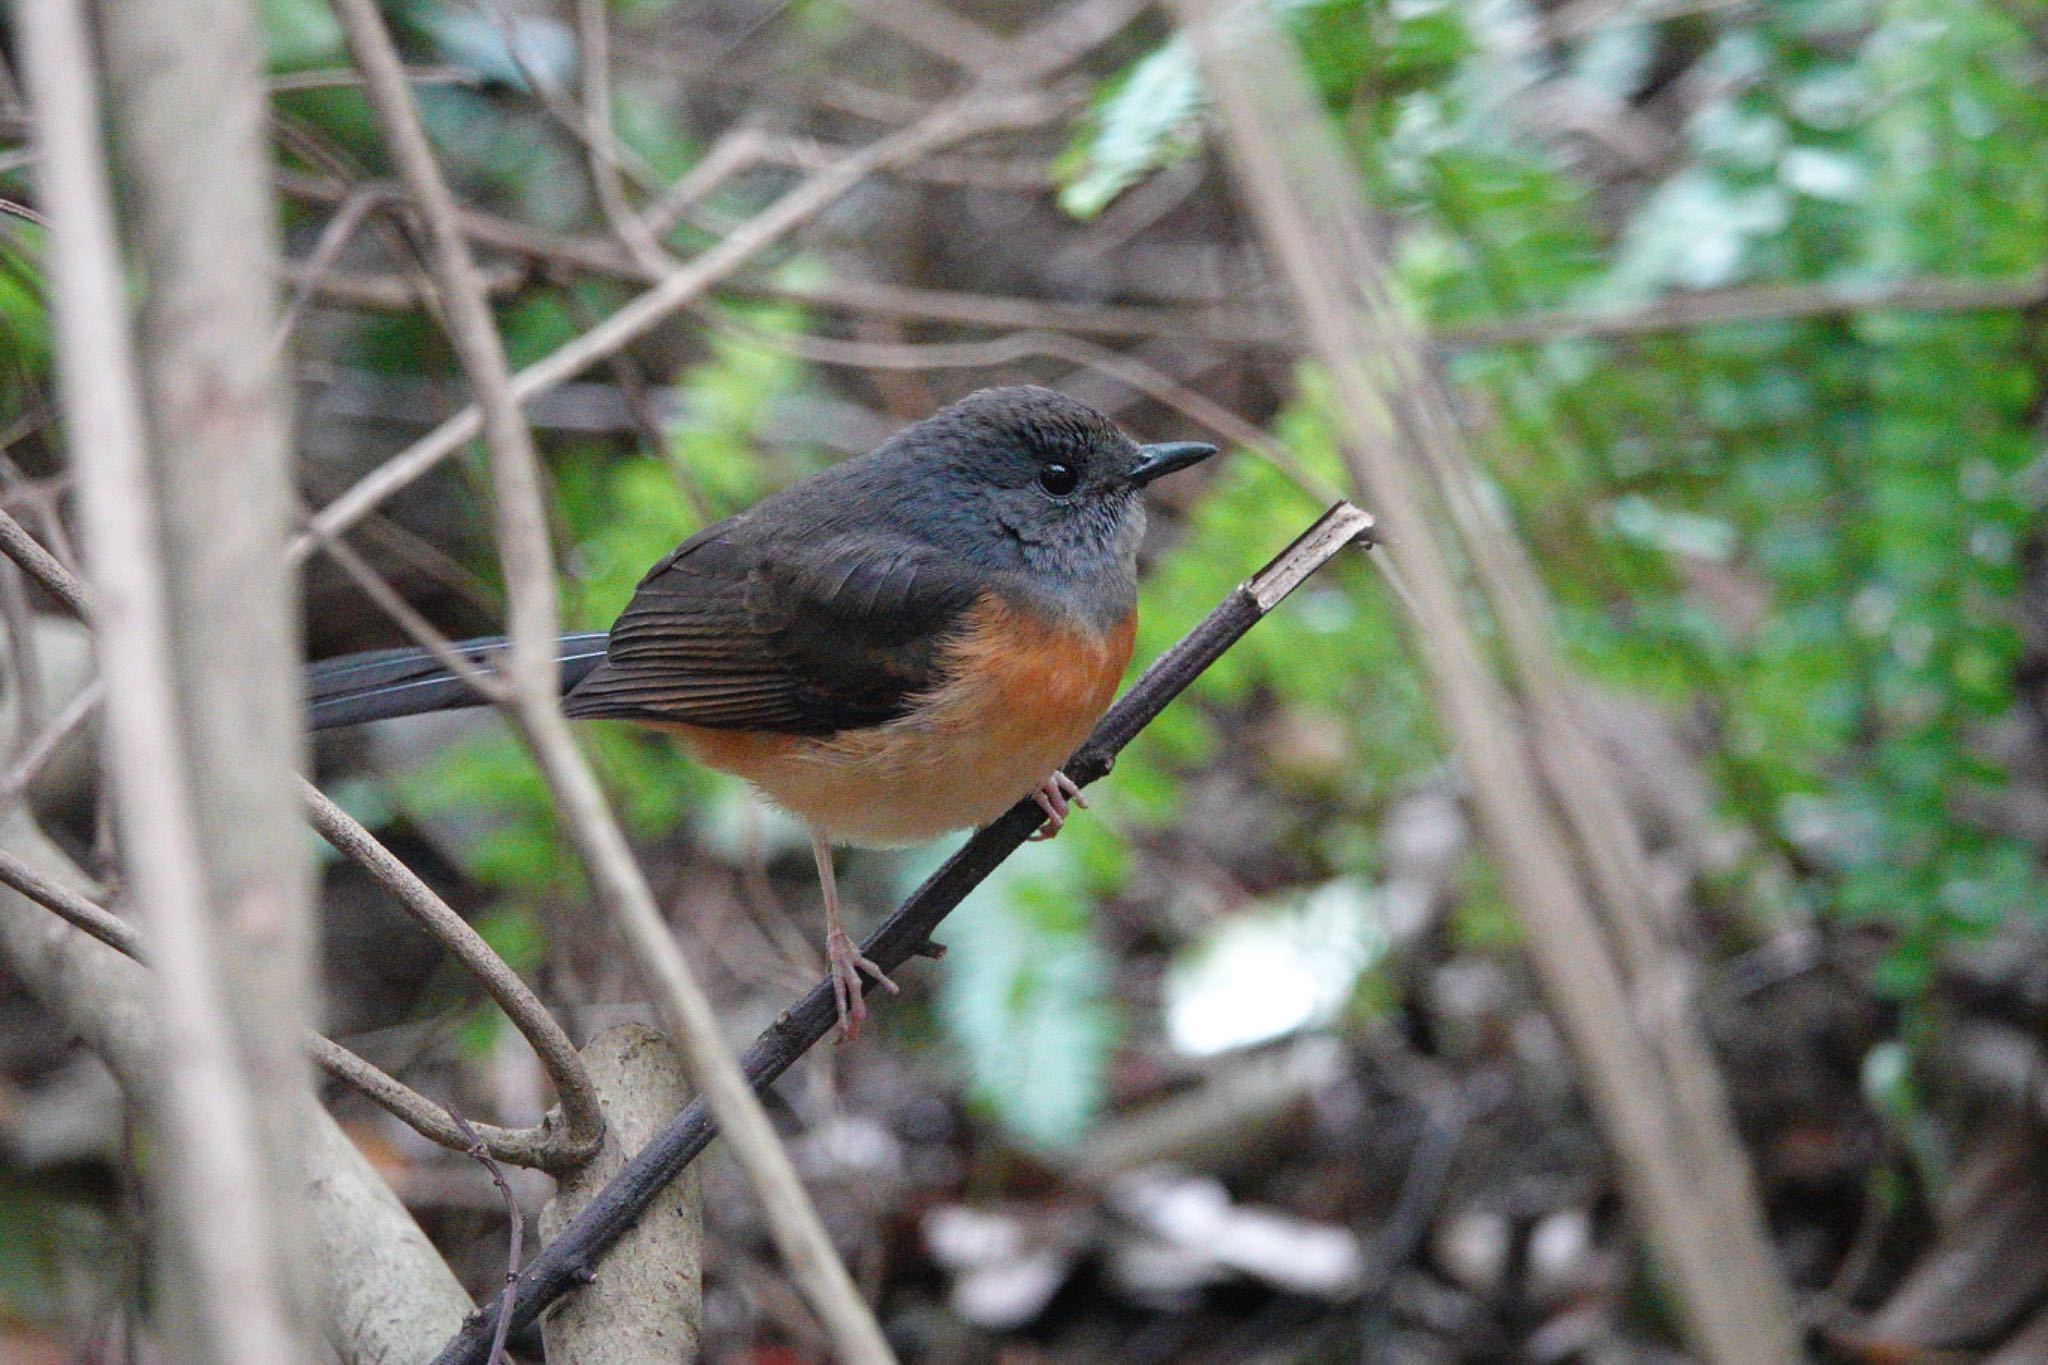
x,y
905,644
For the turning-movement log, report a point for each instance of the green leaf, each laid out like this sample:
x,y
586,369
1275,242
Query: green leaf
x,y
1143,121
1025,998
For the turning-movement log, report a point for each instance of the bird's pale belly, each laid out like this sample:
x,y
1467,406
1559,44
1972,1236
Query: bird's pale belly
x,y
1021,695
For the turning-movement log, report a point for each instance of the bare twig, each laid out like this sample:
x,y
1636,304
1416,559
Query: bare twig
x,y
24,549
520,516
1760,303
71,907
36,754
387,599
389,1295
571,1257
326,250
347,78
514,1239
684,285
584,1121
594,39
1008,350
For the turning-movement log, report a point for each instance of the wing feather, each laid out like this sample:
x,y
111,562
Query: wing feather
x,y
732,631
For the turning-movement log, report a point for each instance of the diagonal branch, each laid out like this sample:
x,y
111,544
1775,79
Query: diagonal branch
x,y
962,118
543,1146
520,515
572,1258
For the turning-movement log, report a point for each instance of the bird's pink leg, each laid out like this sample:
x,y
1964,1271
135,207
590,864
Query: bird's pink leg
x,y
847,961
1052,797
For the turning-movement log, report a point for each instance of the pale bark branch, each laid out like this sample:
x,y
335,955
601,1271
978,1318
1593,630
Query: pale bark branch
x,y
230,1111
520,516
1678,1153
386,1294
648,1303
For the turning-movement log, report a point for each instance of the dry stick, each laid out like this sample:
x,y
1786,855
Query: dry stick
x,y
594,37
326,251
972,114
390,1295
520,515
1702,1217
573,1257
482,1153
1007,350
24,549
237,1299
37,754
103,924
545,1146
387,599
583,1119
345,78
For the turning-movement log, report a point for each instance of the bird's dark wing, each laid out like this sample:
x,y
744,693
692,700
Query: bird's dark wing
x,y
732,633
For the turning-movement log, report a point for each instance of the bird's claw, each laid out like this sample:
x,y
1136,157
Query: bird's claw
x,y
848,962
1053,796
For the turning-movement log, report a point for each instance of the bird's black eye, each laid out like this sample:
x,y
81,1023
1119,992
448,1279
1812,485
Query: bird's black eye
x,y
1059,478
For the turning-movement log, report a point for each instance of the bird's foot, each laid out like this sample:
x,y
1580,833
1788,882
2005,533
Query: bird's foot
x,y
1052,797
848,962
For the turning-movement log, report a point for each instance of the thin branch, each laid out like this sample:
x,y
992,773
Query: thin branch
x,y
1759,303
583,1118
951,122
520,515
1008,350
327,249
347,78
24,549
514,1238
572,1257
390,1296
36,755
68,905
1646,1070
594,39
940,30
543,1146
387,599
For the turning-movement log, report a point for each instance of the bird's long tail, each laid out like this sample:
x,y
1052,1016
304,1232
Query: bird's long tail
x,y
407,682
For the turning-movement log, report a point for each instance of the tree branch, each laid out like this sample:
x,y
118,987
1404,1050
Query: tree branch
x,y
959,119
388,1295
1645,1068
571,1258
229,907
520,514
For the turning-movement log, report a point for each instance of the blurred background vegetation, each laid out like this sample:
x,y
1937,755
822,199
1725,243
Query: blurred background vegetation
x,y
1744,305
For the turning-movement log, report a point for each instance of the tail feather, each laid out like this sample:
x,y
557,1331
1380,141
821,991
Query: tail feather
x,y
384,683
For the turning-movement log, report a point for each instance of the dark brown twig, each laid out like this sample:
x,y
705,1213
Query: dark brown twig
x,y
515,1239
572,1257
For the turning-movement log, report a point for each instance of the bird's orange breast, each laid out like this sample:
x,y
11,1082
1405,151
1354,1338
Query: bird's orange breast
x,y
1020,695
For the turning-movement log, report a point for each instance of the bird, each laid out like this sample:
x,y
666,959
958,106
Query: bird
x,y
900,646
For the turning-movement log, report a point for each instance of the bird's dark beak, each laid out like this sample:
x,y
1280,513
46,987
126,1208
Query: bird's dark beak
x,y
1167,457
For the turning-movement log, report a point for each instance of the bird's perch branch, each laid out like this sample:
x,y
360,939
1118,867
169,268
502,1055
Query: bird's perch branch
x,y
570,1258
